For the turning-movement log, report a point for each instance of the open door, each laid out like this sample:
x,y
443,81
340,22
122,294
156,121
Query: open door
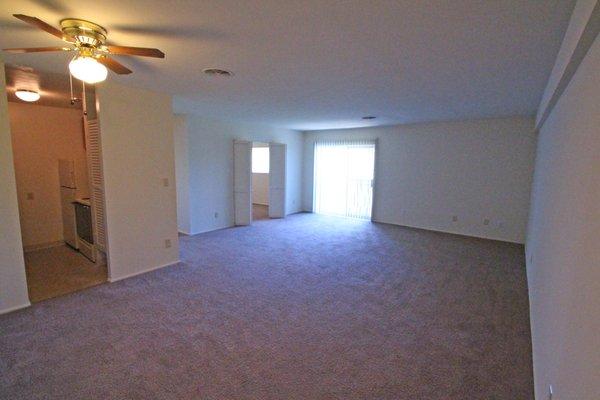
x,y
242,182
277,180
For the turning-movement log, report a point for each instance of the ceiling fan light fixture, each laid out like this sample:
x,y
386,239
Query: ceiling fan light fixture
x,y
27,95
87,69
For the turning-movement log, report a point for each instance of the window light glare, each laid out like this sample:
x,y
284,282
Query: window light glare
x,y
260,160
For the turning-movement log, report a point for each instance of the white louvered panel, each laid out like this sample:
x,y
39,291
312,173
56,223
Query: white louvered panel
x,y
94,153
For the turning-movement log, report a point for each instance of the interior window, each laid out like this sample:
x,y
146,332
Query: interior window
x,y
260,160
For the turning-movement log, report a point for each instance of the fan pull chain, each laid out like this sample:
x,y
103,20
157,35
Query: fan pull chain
x,y
84,97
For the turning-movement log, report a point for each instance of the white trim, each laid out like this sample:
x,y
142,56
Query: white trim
x,y
15,308
471,235
42,246
113,280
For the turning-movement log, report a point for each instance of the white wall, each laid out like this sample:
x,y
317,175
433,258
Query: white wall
x,y
260,188
41,136
13,284
211,168
581,14
563,245
182,172
138,155
428,173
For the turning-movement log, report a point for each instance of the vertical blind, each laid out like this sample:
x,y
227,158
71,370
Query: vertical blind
x,y
343,178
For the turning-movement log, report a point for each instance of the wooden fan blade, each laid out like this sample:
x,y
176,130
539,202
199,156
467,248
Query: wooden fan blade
x,y
36,49
136,51
114,66
38,23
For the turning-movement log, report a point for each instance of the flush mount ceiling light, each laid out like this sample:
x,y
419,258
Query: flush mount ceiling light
x,y
87,69
27,95
369,117
88,41
217,72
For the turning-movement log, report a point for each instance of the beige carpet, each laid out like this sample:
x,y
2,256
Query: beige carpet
x,y
59,270
302,308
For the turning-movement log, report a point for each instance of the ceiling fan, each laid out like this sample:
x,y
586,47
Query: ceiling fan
x,y
88,41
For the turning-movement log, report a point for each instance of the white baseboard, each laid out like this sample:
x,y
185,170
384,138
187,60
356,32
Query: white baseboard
x,y
41,246
451,231
217,228
112,280
15,308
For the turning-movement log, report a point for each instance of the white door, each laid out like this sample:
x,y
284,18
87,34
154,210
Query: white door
x,y
344,172
93,142
242,182
277,180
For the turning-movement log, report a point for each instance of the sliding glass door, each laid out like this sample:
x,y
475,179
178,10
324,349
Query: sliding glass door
x,y
343,178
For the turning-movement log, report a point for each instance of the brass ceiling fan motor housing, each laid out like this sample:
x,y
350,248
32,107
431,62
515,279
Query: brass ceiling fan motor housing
x,y
87,34
87,39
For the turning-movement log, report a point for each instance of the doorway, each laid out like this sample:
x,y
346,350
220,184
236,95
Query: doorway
x,y
273,198
260,181
54,153
344,173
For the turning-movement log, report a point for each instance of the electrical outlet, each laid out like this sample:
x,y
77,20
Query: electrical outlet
x,y
165,182
486,221
167,243
30,196
531,258
216,215
454,218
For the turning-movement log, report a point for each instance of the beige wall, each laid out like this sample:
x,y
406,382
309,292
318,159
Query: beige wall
x,y
563,241
41,136
13,286
260,188
428,173
138,156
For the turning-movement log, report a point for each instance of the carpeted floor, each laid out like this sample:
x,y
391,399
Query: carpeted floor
x,y
309,307
59,270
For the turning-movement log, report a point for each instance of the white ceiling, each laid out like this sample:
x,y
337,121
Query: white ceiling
x,y
317,64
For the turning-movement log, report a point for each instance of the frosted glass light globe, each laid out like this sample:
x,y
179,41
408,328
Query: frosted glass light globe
x,y
87,69
27,95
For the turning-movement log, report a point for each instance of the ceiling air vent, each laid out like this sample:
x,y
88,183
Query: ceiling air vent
x,y
217,72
